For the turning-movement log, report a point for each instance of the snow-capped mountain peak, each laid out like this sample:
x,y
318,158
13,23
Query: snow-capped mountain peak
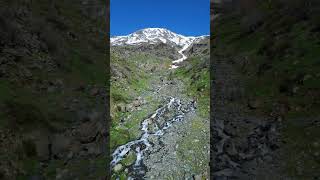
x,y
153,36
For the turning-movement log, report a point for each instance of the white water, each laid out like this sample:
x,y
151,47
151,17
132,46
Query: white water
x,y
121,151
141,145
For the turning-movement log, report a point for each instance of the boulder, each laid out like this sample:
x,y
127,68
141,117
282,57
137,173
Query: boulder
x,y
136,103
88,131
129,107
117,167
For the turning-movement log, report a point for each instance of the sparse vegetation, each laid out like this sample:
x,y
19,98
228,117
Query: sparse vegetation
x,y
48,75
131,78
195,73
277,60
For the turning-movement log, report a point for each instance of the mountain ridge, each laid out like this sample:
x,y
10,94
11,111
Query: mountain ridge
x,y
155,35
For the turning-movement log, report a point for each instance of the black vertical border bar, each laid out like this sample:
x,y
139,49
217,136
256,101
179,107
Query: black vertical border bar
x,y
211,90
107,100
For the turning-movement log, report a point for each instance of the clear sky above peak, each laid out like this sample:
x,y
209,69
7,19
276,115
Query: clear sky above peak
x,y
186,17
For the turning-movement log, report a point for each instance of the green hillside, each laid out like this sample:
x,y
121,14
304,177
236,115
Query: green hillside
x,y
53,80
274,46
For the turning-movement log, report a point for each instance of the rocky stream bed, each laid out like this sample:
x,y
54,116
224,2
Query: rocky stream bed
x,y
174,138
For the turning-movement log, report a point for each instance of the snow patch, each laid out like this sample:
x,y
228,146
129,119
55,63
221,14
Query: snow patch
x,y
158,35
153,35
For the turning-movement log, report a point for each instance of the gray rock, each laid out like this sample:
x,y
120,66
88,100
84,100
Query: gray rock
x,y
121,107
87,132
136,103
118,167
197,177
129,108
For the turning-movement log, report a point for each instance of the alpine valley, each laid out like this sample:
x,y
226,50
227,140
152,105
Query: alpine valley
x,y
159,105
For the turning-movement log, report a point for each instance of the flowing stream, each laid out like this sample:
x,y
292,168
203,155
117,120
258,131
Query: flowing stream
x,y
156,125
152,127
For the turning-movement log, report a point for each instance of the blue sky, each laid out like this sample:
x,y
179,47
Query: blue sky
x,y
187,17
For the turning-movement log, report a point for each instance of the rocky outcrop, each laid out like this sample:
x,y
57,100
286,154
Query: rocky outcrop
x,y
159,49
199,49
243,146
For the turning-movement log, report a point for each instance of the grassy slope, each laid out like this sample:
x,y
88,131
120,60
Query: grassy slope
x,y
195,74
132,78
281,68
135,81
82,62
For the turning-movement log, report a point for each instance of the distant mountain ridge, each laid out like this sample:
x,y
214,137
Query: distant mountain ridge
x,y
154,36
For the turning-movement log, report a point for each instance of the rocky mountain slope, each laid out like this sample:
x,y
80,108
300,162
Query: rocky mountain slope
x,y
155,124
153,36
53,89
265,104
